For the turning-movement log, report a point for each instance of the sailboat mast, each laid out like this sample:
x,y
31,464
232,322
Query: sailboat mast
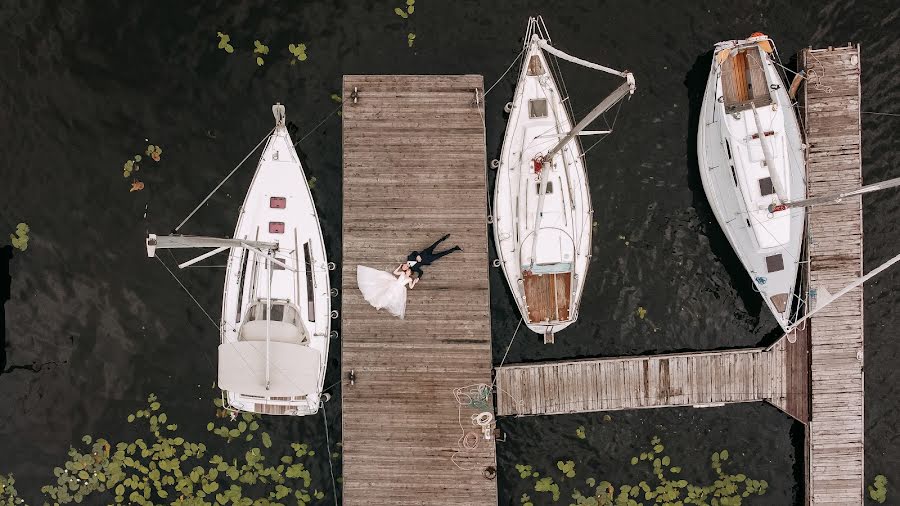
x,y
268,313
621,92
770,165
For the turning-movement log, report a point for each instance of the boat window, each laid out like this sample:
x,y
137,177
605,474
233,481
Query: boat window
x,y
534,66
537,108
244,259
733,175
281,312
728,148
277,312
775,263
549,188
310,283
766,187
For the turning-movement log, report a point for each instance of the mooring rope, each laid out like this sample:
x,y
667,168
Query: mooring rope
x,y
313,129
328,445
507,70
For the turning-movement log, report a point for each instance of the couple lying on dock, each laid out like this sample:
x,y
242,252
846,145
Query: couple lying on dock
x,y
384,290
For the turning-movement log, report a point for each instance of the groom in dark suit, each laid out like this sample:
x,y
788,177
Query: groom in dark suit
x,y
417,259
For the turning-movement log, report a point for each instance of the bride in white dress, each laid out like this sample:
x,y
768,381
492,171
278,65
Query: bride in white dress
x,y
384,290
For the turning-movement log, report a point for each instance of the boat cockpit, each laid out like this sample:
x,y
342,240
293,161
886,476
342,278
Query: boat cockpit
x,y
285,325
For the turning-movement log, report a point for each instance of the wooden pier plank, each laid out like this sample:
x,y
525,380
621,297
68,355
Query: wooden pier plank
x,y
612,384
835,432
414,169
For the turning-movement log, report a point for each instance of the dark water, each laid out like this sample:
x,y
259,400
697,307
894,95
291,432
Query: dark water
x,y
93,326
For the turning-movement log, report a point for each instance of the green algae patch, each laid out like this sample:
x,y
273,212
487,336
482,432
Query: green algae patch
x,y
19,239
878,490
163,466
659,486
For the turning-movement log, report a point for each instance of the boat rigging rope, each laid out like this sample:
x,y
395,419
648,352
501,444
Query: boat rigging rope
x,y
507,71
313,129
216,325
328,445
264,139
513,338
603,137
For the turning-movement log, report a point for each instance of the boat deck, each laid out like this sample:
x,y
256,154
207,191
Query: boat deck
x,y
547,296
836,430
414,170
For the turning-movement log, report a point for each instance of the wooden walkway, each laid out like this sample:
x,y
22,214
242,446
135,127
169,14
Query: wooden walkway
x,y
414,169
836,430
684,379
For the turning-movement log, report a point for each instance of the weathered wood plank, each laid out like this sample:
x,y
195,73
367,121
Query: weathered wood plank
x,y
611,384
835,433
400,418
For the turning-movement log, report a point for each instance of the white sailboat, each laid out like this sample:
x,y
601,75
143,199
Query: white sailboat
x,y
750,153
276,322
542,203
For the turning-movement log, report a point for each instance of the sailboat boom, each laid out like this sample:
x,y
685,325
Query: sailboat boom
x,y
837,197
195,241
770,165
627,88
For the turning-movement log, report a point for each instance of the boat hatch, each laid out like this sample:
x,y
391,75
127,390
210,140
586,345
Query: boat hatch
x,y
744,80
535,68
547,296
779,300
766,187
537,108
276,227
775,263
277,202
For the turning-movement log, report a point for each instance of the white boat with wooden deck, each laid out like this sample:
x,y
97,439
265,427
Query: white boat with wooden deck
x,y
751,157
542,203
276,322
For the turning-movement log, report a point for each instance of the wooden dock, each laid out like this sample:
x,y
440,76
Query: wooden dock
x,y
683,379
836,430
414,170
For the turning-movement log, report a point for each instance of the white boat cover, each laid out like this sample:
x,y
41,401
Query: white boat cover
x,y
294,369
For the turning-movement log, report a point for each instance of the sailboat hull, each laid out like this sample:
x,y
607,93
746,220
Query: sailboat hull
x,y
292,336
544,256
743,86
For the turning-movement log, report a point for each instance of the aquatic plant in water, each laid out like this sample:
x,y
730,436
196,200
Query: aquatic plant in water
x,y
726,490
164,467
154,152
299,52
405,13
224,42
9,496
260,49
20,239
878,491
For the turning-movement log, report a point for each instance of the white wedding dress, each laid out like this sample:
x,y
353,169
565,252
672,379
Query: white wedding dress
x,y
382,289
